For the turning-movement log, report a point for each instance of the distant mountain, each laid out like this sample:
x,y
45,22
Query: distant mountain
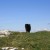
x,y
4,32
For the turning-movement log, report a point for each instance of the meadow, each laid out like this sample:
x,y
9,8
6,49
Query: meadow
x,y
30,41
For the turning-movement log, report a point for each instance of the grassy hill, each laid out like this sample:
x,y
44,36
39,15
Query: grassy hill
x,y
30,41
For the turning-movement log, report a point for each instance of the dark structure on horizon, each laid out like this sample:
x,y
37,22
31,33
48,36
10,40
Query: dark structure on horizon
x,y
27,27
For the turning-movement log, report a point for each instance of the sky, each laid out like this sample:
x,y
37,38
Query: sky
x,y
14,14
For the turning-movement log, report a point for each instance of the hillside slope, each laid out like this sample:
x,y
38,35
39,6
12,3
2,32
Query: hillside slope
x,y
30,41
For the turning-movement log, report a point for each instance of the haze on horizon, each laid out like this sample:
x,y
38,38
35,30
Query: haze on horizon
x,y
14,14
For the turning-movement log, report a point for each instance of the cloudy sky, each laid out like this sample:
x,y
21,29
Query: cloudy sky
x,y
14,14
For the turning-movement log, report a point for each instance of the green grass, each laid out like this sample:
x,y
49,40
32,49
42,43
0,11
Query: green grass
x,y
30,41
